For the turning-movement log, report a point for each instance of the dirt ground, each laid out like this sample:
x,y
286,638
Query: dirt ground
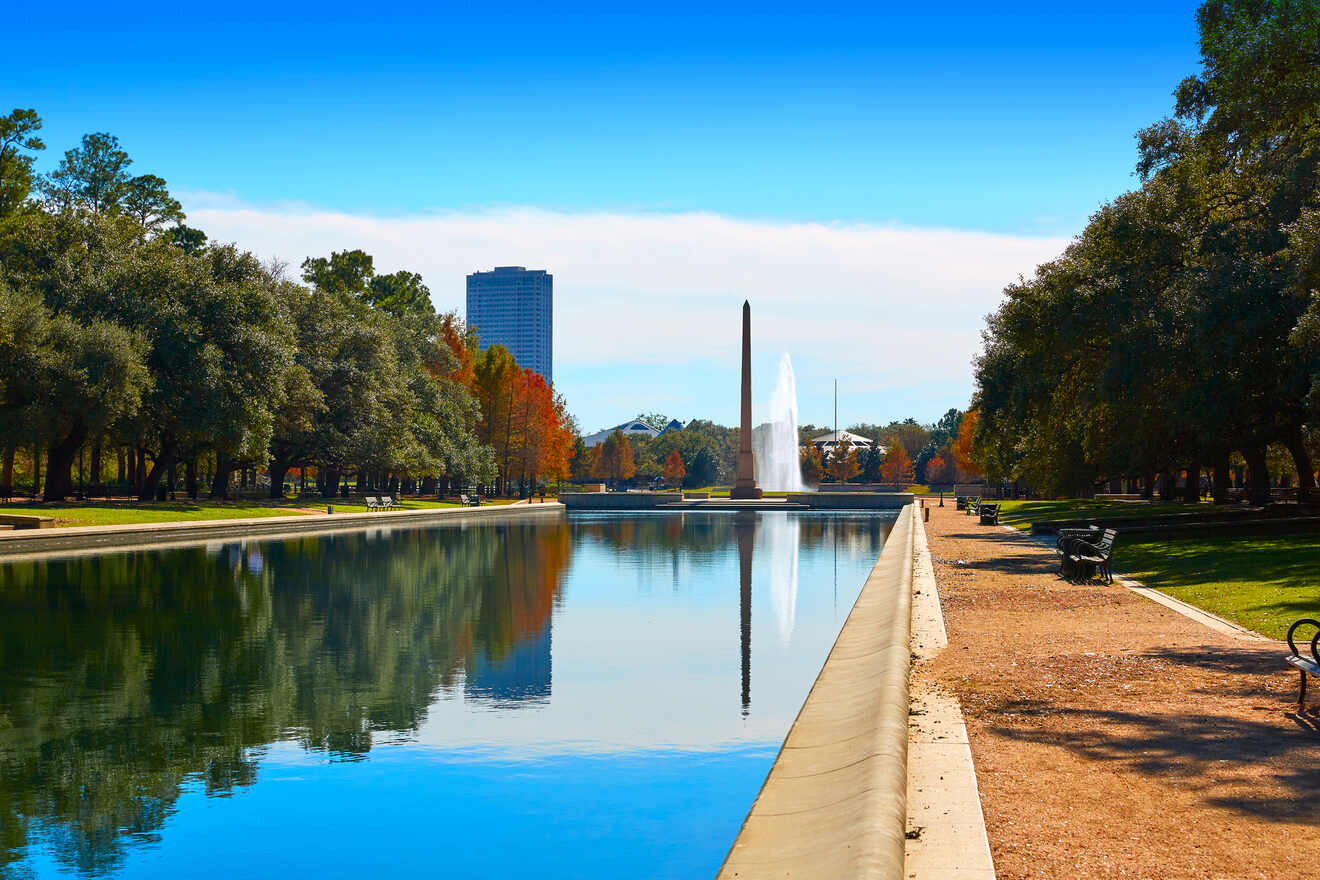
x,y
1114,737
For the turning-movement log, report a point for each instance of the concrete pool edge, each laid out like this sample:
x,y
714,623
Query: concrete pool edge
x,y
18,545
847,748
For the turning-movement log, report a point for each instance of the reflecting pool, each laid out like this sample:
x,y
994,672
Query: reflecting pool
x,y
591,696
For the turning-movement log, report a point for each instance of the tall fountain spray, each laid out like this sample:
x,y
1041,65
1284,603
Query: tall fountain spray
x,y
777,457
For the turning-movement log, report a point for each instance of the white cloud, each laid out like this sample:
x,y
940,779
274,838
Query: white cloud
x,y
879,304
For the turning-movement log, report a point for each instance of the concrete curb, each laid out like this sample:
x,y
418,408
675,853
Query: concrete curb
x,y
79,540
948,840
835,802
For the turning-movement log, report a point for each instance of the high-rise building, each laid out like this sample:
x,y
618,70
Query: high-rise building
x,y
513,307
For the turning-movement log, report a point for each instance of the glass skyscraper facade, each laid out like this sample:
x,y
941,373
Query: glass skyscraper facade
x,y
513,307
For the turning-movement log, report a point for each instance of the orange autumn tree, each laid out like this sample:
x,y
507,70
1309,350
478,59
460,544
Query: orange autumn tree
x,y
843,462
898,466
964,447
541,432
674,471
462,341
524,422
812,468
940,468
616,459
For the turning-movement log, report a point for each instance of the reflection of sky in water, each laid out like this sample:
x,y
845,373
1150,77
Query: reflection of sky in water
x,y
584,713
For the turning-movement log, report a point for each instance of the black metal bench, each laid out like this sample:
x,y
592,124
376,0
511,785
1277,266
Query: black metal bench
x,y
1084,556
961,501
973,505
989,514
1305,665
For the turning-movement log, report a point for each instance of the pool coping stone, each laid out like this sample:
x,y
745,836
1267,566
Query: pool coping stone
x,y
21,543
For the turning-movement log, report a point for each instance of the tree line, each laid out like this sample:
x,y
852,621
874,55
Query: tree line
x,y
125,333
705,454
1181,328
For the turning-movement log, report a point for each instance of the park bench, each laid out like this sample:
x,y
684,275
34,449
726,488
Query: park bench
x,y
388,503
372,503
973,506
1305,665
1083,556
1065,535
472,501
960,501
989,514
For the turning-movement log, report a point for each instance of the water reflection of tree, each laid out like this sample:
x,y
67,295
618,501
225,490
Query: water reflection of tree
x,y
124,677
701,534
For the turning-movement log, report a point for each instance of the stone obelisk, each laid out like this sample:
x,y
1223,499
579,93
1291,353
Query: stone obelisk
x,y
744,486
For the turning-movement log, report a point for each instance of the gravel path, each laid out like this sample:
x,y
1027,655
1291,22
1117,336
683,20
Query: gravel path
x,y
1112,736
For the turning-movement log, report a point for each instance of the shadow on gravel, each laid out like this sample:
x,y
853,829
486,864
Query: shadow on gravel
x,y
1199,752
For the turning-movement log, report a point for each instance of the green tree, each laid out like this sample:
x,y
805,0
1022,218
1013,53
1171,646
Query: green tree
x,y
401,294
91,376
17,138
93,176
343,272
657,420
147,201
185,238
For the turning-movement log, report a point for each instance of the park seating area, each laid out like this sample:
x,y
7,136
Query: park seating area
x,y
1304,665
469,500
1084,553
383,502
989,514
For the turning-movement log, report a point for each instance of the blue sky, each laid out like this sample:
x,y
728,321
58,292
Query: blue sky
x,y
1016,121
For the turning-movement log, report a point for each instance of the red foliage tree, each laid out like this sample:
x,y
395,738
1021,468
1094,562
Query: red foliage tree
x,y
674,471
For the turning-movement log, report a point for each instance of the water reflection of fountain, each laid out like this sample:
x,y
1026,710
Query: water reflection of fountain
x,y
778,541
777,457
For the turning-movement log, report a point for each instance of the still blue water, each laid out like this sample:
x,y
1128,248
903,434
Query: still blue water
x,y
591,696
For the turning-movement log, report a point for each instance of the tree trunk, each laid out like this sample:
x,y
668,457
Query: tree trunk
x,y
1302,459
1258,476
278,469
1192,491
1223,477
7,471
164,462
190,477
173,477
330,482
1168,484
59,465
36,471
95,479
1148,485
121,466
220,483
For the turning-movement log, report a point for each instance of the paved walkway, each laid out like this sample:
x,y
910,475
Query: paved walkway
x,y
1112,736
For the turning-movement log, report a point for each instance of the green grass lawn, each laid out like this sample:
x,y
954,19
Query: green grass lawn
x,y
110,513
1021,514
1263,584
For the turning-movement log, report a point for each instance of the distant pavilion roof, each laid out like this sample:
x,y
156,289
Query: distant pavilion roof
x,y
830,438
